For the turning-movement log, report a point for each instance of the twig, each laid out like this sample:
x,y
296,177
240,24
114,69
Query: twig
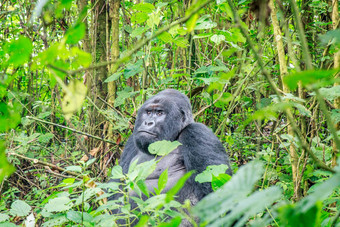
x,y
71,129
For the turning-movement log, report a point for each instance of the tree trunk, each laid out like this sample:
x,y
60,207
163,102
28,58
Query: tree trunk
x,y
335,23
283,72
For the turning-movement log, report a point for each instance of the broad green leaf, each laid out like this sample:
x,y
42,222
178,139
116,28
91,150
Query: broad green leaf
x,y
86,195
313,78
291,217
165,37
217,39
219,181
162,148
123,95
30,220
4,217
331,93
139,17
58,204
75,33
20,208
6,168
74,98
162,180
138,31
144,7
181,42
205,22
19,51
332,36
117,172
212,170
143,221
143,187
77,169
9,116
133,69
113,77
232,204
154,19
56,221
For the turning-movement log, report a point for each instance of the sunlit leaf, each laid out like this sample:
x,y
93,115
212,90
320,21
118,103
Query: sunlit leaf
x,y
74,98
58,204
20,208
19,51
162,148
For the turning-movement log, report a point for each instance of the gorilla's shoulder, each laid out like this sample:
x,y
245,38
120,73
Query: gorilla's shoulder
x,y
198,131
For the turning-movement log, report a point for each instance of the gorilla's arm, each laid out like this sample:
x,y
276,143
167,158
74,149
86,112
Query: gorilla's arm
x,y
201,148
130,151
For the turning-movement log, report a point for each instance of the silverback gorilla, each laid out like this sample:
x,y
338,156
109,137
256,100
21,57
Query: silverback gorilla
x,y
168,116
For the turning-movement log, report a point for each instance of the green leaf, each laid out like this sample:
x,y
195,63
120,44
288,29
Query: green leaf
x,y
162,148
6,169
313,78
77,169
172,223
143,187
219,181
19,51
58,204
117,172
217,39
165,37
212,170
144,7
331,93
205,23
123,95
113,77
20,208
143,221
138,31
162,180
74,98
233,201
75,33
56,221
181,42
4,217
178,186
45,138
139,17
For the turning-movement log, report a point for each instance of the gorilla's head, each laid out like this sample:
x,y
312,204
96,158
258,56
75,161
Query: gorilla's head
x,y
162,117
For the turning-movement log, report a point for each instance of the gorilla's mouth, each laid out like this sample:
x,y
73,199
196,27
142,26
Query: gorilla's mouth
x,y
147,132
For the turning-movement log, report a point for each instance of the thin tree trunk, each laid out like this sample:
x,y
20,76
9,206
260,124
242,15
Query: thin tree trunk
x,y
335,24
283,71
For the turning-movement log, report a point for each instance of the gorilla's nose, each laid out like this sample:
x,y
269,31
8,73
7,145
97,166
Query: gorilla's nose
x,y
149,123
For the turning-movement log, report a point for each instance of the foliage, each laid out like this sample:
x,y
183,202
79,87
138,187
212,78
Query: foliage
x,y
62,130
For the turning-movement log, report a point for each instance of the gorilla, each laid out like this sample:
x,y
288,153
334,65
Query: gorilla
x,y
168,116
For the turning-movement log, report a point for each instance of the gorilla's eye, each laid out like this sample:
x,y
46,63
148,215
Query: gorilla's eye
x,y
148,112
160,113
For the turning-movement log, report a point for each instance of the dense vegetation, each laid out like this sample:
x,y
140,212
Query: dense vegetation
x,y
263,75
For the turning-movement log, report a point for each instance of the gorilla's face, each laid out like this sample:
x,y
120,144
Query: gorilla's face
x,y
160,118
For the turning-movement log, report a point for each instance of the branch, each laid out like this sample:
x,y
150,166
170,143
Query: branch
x,y
36,161
72,130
